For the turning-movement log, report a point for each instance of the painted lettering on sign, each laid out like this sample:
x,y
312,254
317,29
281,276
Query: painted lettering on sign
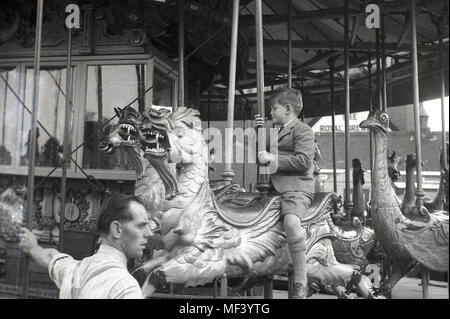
x,y
73,19
373,18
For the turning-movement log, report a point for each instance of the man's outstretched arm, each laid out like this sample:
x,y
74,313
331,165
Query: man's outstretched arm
x,y
29,245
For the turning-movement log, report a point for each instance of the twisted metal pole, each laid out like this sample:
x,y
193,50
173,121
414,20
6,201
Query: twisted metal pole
x,y
420,194
33,136
228,172
348,203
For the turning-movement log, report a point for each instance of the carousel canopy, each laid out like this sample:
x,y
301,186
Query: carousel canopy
x,y
317,40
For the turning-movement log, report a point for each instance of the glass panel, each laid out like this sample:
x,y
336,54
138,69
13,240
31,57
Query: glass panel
x,y
109,86
9,106
51,114
163,89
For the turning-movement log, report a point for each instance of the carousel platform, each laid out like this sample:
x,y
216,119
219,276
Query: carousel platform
x,y
407,288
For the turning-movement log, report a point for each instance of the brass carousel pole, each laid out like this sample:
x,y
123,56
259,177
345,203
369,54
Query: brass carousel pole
x,y
228,172
263,183
383,64
32,154
331,63
369,66
419,191
66,153
348,205
290,44
181,99
378,74
441,68
289,84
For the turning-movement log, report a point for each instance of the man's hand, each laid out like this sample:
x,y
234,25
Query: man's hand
x,y
265,157
28,241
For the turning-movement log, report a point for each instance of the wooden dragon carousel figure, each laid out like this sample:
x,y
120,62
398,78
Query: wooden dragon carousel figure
x,y
416,236
204,234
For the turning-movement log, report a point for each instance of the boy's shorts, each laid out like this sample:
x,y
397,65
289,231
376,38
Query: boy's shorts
x,y
295,202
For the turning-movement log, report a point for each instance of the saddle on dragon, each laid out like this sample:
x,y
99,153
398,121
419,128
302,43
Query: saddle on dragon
x,y
205,234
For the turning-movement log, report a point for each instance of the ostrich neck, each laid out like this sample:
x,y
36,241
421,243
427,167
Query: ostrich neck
x,y
440,196
410,188
358,198
382,189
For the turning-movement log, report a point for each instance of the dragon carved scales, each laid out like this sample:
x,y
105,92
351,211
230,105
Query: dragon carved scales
x,y
207,234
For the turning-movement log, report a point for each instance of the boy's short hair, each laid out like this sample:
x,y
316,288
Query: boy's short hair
x,y
285,96
116,208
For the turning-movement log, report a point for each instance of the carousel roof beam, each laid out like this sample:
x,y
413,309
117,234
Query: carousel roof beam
x,y
307,89
329,13
401,4
398,67
354,63
405,30
356,24
317,58
406,77
301,16
339,45
292,31
278,70
271,81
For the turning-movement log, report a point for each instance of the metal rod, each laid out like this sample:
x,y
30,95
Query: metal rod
x,y
66,149
425,282
420,194
4,110
289,44
370,132
32,154
259,57
268,287
333,123
378,74
348,204
181,99
263,185
383,64
415,68
228,172
443,117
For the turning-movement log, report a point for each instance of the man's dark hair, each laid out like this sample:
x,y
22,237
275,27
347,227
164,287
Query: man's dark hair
x,y
288,96
116,208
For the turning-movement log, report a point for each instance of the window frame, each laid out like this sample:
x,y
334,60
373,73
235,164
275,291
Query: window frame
x,y
79,100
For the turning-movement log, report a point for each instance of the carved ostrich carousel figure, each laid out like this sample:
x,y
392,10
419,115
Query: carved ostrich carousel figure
x,y
406,239
205,236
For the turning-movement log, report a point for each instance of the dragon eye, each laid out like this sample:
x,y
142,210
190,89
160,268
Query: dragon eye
x,y
384,118
180,134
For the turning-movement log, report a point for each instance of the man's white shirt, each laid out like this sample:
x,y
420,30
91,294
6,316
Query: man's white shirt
x,y
103,275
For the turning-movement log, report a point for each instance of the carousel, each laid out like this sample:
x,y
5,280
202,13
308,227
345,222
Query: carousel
x,y
125,96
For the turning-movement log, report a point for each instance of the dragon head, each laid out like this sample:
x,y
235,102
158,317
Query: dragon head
x,y
125,135
377,122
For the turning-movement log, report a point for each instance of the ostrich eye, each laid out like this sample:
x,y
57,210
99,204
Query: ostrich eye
x,y
384,118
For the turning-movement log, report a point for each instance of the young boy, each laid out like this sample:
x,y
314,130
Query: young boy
x,y
293,180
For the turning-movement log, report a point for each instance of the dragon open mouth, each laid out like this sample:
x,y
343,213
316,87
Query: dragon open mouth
x,y
155,142
128,132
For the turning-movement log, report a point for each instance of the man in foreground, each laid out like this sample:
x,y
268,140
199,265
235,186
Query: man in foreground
x,y
124,229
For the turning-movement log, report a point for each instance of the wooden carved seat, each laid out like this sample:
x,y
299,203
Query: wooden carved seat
x,y
245,208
